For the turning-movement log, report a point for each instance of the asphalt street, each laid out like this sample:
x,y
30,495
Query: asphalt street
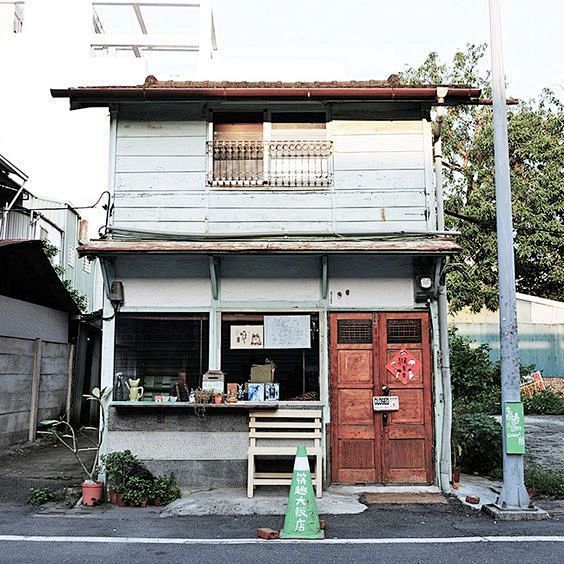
x,y
269,551
433,533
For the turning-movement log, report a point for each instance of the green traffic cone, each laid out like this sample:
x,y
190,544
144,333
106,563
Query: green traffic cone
x,y
302,520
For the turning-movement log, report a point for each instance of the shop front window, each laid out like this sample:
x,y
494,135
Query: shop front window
x,y
155,348
280,349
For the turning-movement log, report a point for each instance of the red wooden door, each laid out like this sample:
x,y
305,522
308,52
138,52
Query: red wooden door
x,y
368,354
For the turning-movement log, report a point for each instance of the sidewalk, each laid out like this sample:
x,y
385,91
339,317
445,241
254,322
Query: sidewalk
x,y
44,465
36,465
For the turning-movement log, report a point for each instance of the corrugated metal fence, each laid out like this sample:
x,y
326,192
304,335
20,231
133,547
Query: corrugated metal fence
x,y
539,344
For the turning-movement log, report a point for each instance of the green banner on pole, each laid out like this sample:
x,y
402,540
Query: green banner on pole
x,y
514,428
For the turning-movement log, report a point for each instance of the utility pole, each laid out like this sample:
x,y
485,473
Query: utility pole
x,y
513,494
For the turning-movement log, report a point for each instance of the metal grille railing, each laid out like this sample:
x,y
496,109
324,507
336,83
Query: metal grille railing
x,y
270,163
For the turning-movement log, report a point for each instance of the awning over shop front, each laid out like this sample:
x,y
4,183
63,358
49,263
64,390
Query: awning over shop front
x,y
421,245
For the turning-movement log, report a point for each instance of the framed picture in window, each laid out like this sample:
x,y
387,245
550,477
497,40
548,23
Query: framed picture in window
x,y
247,337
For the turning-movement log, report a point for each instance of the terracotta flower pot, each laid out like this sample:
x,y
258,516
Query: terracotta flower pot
x,y
455,477
92,494
116,499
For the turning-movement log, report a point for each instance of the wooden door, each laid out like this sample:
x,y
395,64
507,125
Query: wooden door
x,y
379,354
408,433
356,452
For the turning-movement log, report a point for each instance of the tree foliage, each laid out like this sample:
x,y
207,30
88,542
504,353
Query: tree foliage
x,y
51,252
536,151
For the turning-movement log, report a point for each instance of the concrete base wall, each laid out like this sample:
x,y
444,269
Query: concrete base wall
x,y
211,451
16,365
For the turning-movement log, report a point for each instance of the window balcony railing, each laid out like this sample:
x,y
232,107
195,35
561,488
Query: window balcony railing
x,y
270,163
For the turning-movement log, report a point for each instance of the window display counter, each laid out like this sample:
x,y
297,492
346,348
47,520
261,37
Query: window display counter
x,y
187,405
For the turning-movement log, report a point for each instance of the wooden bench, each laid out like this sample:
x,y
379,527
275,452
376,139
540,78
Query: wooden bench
x,y
269,430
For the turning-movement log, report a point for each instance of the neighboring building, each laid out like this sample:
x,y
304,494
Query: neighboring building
x,y
25,217
35,341
301,214
541,332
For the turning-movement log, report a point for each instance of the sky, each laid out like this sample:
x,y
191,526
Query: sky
x,y
361,39
66,153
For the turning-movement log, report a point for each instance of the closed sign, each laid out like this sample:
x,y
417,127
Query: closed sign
x,y
385,403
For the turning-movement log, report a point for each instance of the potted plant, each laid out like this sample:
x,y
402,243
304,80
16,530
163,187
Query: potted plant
x,y
119,466
165,490
138,491
63,432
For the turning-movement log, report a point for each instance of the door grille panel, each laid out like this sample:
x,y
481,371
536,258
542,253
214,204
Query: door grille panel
x,y
354,331
403,330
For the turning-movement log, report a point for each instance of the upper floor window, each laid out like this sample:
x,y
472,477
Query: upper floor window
x,y
286,150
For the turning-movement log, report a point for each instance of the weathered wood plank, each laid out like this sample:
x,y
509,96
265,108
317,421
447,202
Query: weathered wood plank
x,y
408,223
266,217
160,164
379,198
380,179
160,181
376,143
398,160
141,199
139,128
237,200
165,146
373,127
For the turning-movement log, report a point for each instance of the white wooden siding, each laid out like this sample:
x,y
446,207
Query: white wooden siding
x,y
382,183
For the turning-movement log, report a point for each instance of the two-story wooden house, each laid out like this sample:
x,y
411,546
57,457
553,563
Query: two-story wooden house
x,y
287,222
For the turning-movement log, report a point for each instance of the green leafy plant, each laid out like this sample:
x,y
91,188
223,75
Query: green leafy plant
x,y
119,467
476,381
137,491
545,481
476,384
165,489
63,432
477,438
545,402
52,251
39,496
71,498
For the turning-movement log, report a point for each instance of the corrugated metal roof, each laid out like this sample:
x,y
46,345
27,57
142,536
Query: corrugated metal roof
x,y
412,245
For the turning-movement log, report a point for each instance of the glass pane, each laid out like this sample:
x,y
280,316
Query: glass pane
x,y
155,348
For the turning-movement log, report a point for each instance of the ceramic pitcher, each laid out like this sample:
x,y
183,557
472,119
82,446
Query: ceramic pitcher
x,y
135,390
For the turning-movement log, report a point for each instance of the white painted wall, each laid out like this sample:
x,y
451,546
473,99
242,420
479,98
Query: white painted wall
x,y
176,282
153,281
30,321
371,282
270,278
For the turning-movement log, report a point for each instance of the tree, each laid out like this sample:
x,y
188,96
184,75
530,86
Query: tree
x,y
536,151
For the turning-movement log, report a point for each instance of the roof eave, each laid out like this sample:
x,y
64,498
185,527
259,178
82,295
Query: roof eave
x,y
405,246
102,96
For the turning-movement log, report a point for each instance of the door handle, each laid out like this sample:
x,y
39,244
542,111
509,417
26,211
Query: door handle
x,y
385,391
385,419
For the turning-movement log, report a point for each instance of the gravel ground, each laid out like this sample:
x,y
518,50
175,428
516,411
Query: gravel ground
x,y
544,439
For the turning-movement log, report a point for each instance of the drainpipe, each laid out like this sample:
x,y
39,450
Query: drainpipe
x,y
445,460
